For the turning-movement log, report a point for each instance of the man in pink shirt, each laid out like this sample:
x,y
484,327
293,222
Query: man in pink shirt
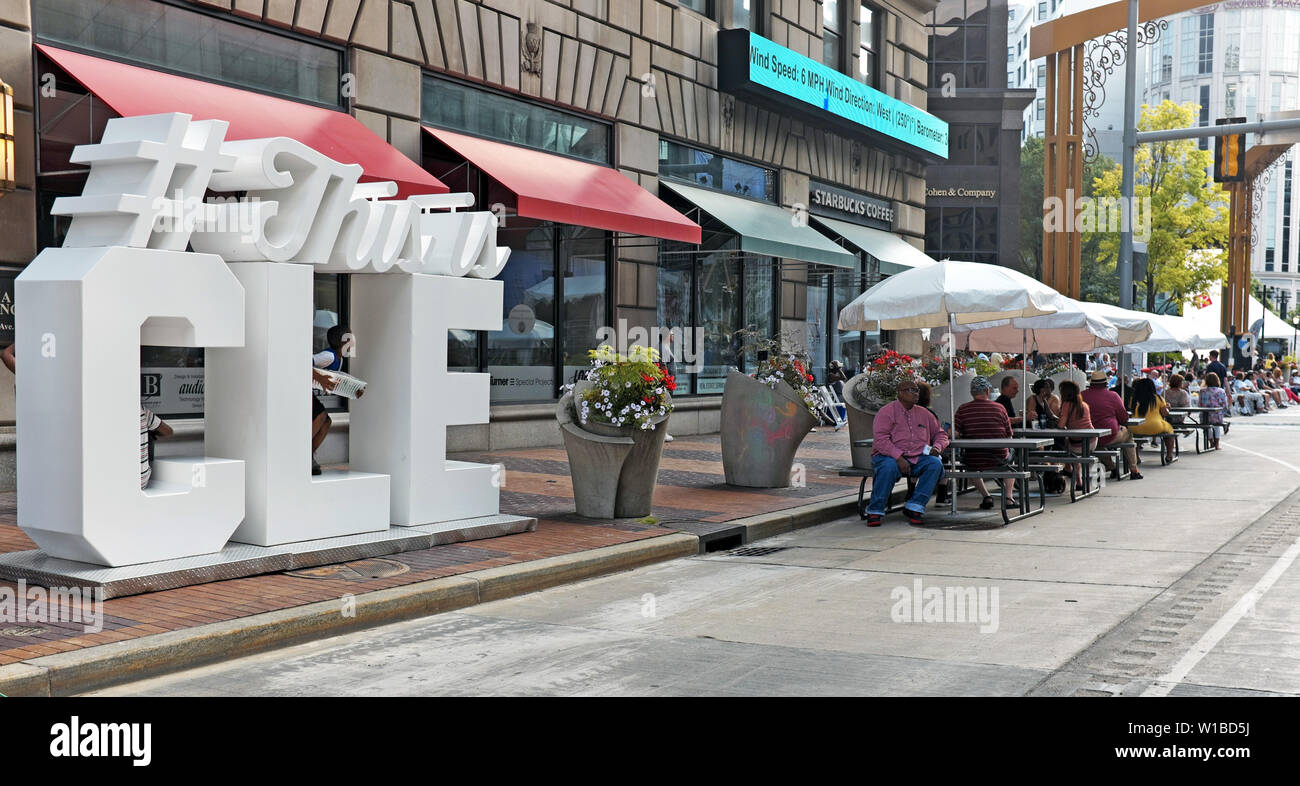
x,y
1108,411
907,442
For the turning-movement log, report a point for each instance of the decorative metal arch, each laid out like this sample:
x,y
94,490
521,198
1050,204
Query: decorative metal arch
x,y
1103,56
1259,190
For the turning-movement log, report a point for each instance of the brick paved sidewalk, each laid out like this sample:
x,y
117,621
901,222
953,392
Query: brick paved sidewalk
x,y
692,497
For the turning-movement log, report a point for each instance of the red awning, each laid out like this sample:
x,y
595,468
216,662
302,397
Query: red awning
x,y
559,189
131,91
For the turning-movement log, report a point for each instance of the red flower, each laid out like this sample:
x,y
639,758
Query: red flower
x,y
647,378
647,399
670,383
810,377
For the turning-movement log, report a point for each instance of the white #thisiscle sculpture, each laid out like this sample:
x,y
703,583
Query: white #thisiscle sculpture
x,y
123,278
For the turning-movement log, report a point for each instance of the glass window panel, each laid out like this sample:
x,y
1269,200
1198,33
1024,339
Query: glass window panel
x,y
482,113
986,229
760,285
831,14
583,253
986,145
977,75
817,324
190,42
957,224
867,27
719,317
949,12
977,44
676,283
831,49
946,44
699,6
961,144
521,356
706,170
741,16
847,347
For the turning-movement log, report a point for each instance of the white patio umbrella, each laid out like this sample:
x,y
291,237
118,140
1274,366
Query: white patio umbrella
x,y
1172,333
1072,329
945,295
1133,326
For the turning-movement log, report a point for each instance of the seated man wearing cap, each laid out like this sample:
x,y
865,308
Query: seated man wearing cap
x,y
907,442
1108,411
984,419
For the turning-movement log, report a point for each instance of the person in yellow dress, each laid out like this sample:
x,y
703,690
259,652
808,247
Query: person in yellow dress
x,y
1151,407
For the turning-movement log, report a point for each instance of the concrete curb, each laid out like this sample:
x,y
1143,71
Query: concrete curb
x,y
93,668
70,673
780,522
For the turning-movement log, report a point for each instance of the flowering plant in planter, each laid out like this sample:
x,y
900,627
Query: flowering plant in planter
x,y
886,369
626,390
782,365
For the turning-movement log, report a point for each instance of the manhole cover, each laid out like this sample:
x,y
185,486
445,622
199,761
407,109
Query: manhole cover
x,y
755,551
360,570
30,631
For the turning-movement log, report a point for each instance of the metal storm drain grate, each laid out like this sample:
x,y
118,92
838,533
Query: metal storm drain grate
x,y
755,551
21,631
360,570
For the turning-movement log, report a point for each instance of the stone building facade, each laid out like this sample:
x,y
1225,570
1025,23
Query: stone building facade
x,y
644,72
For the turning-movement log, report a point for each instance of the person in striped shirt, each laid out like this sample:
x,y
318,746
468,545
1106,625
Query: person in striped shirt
x,y
981,418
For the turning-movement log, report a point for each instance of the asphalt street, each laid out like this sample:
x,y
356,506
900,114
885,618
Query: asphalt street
x,y
1183,583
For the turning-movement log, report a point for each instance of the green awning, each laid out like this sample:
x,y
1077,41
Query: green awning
x,y
895,254
766,230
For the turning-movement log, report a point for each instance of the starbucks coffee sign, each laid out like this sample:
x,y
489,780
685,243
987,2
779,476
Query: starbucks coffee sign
x,y
835,202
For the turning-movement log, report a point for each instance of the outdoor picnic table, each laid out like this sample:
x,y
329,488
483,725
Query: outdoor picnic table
x,y
1087,438
1021,448
1202,425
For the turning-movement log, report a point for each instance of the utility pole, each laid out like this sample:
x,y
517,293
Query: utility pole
x,y
1130,146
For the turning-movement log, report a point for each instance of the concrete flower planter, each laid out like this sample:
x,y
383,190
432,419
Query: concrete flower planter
x,y
761,431
861,422
614,468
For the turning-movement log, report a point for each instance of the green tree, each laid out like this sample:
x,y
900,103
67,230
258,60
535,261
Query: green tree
x,y
1188,211
1097,279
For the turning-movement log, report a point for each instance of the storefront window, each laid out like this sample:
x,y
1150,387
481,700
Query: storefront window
x,y
720,318
476,111
759,287
521,357
818,325
582,271
194,43
707,170
676,283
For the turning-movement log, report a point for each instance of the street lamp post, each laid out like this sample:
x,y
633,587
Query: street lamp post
x,y
1295,328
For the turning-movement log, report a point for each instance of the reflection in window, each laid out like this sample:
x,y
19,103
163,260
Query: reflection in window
x,y
868,43
746,15
189,42
676,285
831,37
521,356
707,170
582,274
720,317
476,111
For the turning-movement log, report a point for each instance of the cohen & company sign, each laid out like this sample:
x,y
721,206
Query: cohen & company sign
x,y
767,73
835,202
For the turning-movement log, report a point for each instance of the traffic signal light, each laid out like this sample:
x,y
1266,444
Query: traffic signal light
x,y
1230,154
